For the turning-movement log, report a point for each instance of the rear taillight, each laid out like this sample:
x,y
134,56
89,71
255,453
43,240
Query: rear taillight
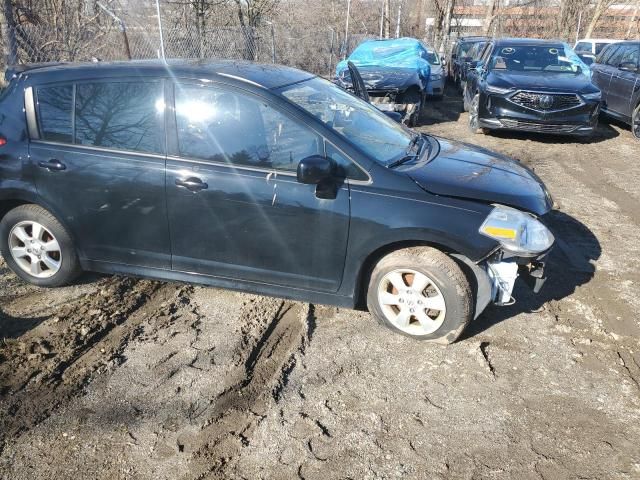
x,y
3,141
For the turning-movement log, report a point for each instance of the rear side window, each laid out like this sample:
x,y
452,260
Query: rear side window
x,y
606,53
55,112
600,46
583,47
122,115
616,56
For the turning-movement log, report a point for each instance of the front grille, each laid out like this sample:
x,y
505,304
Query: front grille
x,y
546,101
537,127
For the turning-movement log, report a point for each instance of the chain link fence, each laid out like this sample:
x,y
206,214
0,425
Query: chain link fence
x,y
316,51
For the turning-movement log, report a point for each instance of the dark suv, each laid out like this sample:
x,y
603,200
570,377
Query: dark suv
x,y
259,178
617,73
460,56
531,85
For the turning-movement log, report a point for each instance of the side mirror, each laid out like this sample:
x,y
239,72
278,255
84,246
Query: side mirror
x,y
314,169
628,67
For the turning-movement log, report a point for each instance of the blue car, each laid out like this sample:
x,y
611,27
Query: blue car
x,y
395,72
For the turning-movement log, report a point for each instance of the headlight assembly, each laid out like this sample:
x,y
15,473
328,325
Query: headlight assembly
x,y
592,96
517,231
498,90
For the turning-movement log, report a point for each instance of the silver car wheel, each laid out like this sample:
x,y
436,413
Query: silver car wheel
x,y
35,249
473,112
411,301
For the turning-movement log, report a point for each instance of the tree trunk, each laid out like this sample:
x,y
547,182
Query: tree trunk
x,y
601,7
633,20
9,34
488,17
387,20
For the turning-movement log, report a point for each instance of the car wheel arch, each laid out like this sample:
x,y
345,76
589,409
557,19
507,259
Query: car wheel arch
x,y
16,199
368,264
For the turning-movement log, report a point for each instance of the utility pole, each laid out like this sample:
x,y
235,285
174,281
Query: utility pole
x,y
346,30
160,28
387,20
9,34
381,17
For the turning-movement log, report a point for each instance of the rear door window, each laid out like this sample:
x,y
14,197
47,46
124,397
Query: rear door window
x,y
120,115
55,105
614,59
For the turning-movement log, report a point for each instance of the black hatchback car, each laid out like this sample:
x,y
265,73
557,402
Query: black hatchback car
x,y
531,85
617,73
259,178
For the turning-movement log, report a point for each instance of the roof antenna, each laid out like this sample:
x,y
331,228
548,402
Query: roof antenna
x,y
160,27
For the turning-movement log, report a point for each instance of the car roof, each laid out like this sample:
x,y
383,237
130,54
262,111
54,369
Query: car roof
x,y
268,76
526,41
598,40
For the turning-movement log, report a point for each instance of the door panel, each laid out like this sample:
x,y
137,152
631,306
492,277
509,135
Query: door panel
x,y
623,83
256,225
248,218
113,200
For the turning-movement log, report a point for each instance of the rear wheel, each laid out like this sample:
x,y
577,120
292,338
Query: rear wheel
x,y
635,122
37,247
422,293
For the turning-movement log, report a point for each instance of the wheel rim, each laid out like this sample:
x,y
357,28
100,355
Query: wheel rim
x,y
35,249
411,302
636,123
473,113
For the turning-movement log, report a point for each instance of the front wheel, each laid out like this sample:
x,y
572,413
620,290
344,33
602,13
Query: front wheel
x,y
635,122
474,116
37,247
422,293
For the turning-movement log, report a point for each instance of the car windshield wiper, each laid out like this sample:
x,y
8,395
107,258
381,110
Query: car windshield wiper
x,y
409,156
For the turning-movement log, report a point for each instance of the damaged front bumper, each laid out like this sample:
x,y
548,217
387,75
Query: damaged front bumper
x,y
503,273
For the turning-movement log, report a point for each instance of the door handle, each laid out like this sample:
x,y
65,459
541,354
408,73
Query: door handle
x,y
53,165
192,183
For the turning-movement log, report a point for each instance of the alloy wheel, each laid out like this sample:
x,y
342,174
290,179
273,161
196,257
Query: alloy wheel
x,y
35,249
411,301
635,123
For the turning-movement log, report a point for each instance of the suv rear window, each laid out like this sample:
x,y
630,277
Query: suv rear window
x,y
54,108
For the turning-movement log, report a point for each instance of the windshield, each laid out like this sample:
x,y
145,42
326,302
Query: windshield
x,y
432,57
537,58
361,123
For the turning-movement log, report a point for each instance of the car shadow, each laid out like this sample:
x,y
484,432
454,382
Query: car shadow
x,y
571,264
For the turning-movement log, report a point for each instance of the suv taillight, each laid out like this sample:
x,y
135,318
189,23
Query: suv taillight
x,y
3,141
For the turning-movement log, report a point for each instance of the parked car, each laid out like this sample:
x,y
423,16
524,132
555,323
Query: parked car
x,y
531,85
617,73
589,48
435,87
474,55
396,74
460,55
260,178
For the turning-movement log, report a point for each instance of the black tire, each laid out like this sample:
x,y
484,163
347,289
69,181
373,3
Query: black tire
x,y
635,122
69,264
445,274
474,116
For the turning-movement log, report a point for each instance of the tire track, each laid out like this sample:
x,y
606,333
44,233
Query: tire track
x,y
52,363
276,335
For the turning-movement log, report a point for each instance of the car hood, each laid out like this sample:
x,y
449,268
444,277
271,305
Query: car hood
x,y
465,171
385,78
551,81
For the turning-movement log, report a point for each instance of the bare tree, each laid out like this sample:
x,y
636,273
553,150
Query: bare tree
x,y
599,10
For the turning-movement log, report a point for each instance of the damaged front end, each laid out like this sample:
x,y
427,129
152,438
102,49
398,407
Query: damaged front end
x,y
390,90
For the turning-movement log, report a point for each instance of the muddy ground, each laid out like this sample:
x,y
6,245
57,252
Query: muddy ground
x,y
117,378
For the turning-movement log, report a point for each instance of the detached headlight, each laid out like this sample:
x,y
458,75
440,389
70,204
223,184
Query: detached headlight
x,y
498,90
592,96
517,231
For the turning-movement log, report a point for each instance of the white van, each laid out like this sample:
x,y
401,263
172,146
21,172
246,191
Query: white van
x,y
588,48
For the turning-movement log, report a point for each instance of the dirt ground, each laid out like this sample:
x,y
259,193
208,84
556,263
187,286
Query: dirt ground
x,y
118,378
